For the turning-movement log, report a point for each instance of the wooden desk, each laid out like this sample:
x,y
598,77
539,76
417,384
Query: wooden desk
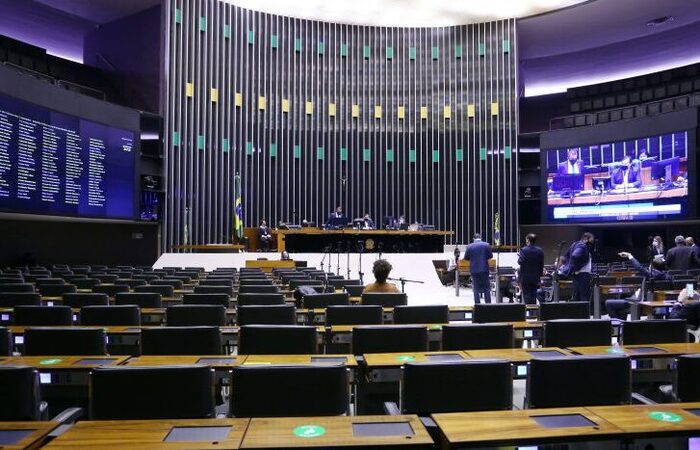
x,y
519,357
639,309
641,420
620,290
217,362
251,360
335,432
661,296
554,200
386,367
316,239
210,248
145,434
646,351
268,265
37,432
73,363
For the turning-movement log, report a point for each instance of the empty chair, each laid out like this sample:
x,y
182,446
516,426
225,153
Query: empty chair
x,y
194,315
389,338
688,374
20,391
78,300
118,315
164,291
12,299
266,315
295,283
354,315
216,282
343,283
42,281
65,341
111,289
33,278
105,277
206,299
661,285
6,342
314,301
354,290
43,315
253,289
228,290
131,282
499,312
564,310
181,341
56,290
176,284
7,279
146,276
165,392
191,274
277,340
289,391
477,336
70,278
578,381
252,281
386,300
654,332
631,280
421,314
140,299
17,287
577,332
246,299
607,280
85,283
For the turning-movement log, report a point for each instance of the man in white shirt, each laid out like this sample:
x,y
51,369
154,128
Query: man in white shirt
x,y
573,165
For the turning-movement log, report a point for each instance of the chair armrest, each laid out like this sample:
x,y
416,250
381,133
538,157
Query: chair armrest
x,y
391,409
642,400
69,415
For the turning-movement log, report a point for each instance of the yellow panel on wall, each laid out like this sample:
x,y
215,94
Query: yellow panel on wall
x,y
238,99
401,112
471,110
447,112
262,102
356,110
331,109
285,105
378,111
189,89
494,109
309,108
423,112
214,94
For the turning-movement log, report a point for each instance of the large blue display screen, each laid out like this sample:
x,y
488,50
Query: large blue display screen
x,y
53,163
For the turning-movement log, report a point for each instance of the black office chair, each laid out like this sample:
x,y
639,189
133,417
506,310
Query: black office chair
x,y
386,300
111,289
266,315
107,278
131,282
651,331
564,310
176,284
56,290
191,274
6,342
477,336
354,315
78,300
181,341
195,315
139,393
43,315
316,301
206,299
289,391
260,299
421,314
12,299
216,282
578,381
255,281
354,290
499,312
86,283
140,299
296,283
277,340
17,287
607,280
228,290
118,315
343,283
577,333
631,280
65,341
255,289
43,280
164,291
20,391
389,338
148,277
687,388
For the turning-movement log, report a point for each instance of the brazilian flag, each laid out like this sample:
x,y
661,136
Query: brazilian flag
x,y
237,209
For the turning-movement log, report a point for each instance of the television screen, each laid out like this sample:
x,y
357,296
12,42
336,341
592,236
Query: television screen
x,y
637,179
57,164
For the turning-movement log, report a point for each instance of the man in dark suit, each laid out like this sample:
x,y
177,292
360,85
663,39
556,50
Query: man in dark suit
x,y
626,175
573,165
681,257
531,262
336,218
478,254
578,266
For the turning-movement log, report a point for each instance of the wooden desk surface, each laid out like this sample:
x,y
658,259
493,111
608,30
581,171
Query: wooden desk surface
x,y
31,441
281,433
628,350
353,232
251,360
618,288
378,360
513,354
660,296
650,419
65,362
682,348
500,428
215,361
210,247
145,434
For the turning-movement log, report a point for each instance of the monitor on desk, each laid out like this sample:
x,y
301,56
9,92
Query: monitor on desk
x,y
568,183
666,169
336,222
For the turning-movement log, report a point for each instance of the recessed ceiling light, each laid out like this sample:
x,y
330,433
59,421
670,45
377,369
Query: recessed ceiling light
x,y
663,20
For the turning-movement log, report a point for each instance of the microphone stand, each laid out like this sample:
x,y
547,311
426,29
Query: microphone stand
x,y
403,282
359,267
347,253
337,249
324,258
555,276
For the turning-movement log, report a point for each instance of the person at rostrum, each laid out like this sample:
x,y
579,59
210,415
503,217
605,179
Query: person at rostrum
x,y
578,265
478,254
531,262
264,236
381,270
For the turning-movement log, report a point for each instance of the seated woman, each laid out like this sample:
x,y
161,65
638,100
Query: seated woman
x,y
381,270
264,236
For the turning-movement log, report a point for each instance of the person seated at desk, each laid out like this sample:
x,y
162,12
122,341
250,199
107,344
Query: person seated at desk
x,y
381,270
368,223
264,236
402,224
336,219
573,165
618,308
626,175
687,308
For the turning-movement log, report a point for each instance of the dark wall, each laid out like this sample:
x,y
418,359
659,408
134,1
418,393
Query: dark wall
x,y
536,112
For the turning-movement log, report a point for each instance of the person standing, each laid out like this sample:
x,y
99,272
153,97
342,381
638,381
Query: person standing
x,y
478,254
531,262
578,265
681,257
655,251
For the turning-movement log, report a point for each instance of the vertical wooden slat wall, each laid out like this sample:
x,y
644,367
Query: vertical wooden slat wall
x,y
272,98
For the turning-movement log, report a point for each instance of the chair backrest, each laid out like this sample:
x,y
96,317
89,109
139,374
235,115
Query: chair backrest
x,y
654,331
20,392
577,332
389,338
437,387
277,340
147,276
111,289
285,391
477,336
354,315
12,299
176,284
78,300
181,341
195,315
206,299
6,342
259,281
140,299
295,283
164,291
342,283
246,299
117,315
105,277
56,290
43,315
266,315
405,314
256,289
216,282
17,287
85,283
688,374
386,300
44,280
131,282
499,312
607,280
564,310
65,341
660,285
631,280
578,381
354,290
165,392
313,301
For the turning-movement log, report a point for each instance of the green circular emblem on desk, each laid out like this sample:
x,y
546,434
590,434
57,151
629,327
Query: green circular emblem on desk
x,y
48,362
615,350
406,358
663,416
309,431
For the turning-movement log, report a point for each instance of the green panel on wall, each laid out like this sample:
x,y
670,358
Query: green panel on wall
x,y
202,24
225,146
458,51
482,49
251,37
321,48
343,154
411,53
297,44
436,156
390,53
436,52
507,152
274,41
200,142
389,155
176,138
366,51
320,153
482,153
273,150
506,45
297,151
459,155
367,155
343,49
178,15
227,31
412,155
249,148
